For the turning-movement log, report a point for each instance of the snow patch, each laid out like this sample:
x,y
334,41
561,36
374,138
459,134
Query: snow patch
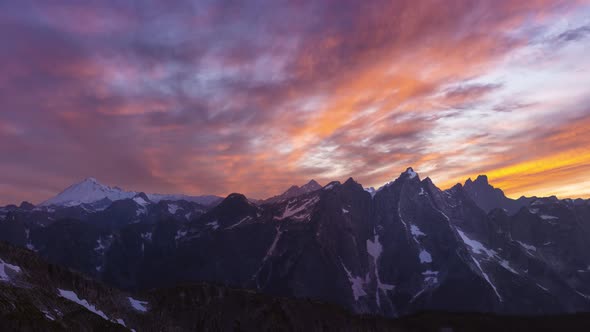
x,y
239,222
416,232
344,210
505,265
430,276
425,256
140,211
527,246
70,295
47,315
374,249
213,224
356,284
180,234
100,246
172,208
329,186
548,217
477,247
293,211
138,305
147,236
120,321
410,172
139,200
4,267
273,246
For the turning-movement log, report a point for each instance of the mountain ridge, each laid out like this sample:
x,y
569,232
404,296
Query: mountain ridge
x,y
404,249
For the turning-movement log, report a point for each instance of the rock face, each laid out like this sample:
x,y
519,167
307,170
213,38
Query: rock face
x,y
405,248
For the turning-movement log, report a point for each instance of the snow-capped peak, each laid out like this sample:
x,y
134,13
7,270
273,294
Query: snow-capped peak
x,y
90,191
410,173
87,191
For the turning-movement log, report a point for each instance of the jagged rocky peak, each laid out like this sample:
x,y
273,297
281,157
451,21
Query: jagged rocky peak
x,y
26,206
351,183
487,197
141,198
483,179
312,185
331,185
410,174
295,191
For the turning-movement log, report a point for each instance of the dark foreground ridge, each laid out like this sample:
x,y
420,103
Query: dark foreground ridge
x,y
36,296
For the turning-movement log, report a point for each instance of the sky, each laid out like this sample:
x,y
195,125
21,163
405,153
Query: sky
x,y
215,97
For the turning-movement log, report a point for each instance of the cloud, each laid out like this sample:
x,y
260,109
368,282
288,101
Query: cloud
x,y
223,96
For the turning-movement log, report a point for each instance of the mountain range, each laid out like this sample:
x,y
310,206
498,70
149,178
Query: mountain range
x,y
405,248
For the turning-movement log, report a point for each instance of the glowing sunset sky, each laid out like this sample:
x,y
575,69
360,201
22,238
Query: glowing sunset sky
x,y
214,97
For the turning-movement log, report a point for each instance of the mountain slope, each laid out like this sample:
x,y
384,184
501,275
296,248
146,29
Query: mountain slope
x,y
406,248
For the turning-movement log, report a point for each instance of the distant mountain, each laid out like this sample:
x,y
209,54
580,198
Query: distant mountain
x,y
405,248
487,197
87,191
90,191
295,191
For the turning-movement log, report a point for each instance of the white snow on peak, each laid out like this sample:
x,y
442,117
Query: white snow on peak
x,y
90,191
139,200
138,305
410,172
70,295
4,267
344,210
87,191
330,185
172,208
